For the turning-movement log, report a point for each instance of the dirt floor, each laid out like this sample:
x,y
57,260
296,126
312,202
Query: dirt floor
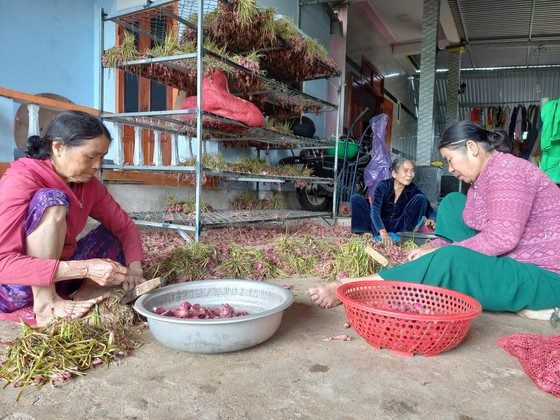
x,y
297,375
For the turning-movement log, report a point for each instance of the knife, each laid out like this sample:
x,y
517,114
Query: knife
x,y
142,288
385,263
419,225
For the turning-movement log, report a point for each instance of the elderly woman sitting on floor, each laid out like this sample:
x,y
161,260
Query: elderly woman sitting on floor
x,y
397,205
46,201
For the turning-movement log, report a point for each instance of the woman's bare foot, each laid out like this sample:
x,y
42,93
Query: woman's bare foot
x,y
325,295
46,311
91,290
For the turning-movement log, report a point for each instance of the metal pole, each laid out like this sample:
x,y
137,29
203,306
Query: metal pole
x,y
430,21
199,121
100,87
337,134
101,70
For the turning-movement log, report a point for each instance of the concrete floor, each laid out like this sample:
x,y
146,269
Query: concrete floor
x,y
297,375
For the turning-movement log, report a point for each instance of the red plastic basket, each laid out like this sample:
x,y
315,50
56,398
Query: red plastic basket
x,y
368,306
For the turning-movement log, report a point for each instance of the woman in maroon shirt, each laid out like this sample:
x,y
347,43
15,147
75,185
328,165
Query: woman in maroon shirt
x,y
46,201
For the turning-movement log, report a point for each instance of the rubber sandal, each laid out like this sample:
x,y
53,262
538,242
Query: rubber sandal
x,y
24,314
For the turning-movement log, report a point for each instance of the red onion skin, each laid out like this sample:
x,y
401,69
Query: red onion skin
x,y
180,313
197,311
185,305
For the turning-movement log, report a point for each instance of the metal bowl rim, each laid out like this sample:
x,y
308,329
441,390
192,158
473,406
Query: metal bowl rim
x,y
419,235
138,305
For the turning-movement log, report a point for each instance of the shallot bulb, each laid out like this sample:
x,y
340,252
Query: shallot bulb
x,y
197,311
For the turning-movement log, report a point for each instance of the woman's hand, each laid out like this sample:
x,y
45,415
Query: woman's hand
x,y
106,272
419,252
385,237
429,223
134,277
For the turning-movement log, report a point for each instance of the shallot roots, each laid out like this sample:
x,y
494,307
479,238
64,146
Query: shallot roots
x,y
197,311
339,337
412,308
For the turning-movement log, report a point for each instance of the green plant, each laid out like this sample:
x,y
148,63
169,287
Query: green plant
x,y
118,54
168,48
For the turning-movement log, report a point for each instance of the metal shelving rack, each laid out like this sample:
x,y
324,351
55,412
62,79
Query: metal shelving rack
x,y
203,125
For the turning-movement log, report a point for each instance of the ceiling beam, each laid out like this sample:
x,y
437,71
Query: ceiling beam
x,y
405,61
409,48
413,48
448,23
330,12
464,29
311,2
516,42
532,20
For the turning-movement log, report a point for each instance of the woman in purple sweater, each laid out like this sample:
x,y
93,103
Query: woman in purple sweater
x,y
500,244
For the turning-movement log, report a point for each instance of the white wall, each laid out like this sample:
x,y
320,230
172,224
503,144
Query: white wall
x,y
7,142
50,46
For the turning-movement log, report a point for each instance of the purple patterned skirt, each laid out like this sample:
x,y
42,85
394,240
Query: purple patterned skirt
x,y
98,243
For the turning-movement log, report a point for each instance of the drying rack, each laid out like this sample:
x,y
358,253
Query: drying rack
x,y
185,222
198,124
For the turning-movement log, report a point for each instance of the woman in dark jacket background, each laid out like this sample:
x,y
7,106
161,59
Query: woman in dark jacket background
x,y
397,205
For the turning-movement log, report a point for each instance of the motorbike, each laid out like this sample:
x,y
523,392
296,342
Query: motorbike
x,y
350,179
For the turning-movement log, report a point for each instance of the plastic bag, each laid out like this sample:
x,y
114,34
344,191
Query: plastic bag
x,y
539,356
379,167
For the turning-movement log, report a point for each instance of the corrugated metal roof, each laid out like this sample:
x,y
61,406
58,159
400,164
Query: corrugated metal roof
x,y
483,19
506,87
488,56
546,18
521,19
507,33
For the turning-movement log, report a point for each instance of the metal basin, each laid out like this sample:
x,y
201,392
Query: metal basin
x,y
419,238
265,303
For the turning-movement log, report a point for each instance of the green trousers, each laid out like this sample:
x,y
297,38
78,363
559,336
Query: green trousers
x,y
498,283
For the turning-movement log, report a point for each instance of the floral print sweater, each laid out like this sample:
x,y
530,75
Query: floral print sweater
x,y
515,207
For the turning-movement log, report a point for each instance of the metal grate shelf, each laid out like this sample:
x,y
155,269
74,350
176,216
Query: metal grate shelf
x,y
246,177
219,218
183,122
179,71
165,33
185,13
234,176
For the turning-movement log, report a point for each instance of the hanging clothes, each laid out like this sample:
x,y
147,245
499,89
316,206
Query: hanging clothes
x,y
506,117
550,139
476,116
489,118
520,122
498,119
521,112
512,123
533,127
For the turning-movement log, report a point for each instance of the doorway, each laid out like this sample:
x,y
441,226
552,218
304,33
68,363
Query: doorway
x,y
367,91
138,94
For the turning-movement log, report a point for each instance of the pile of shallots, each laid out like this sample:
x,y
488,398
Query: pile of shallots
x,y
197,311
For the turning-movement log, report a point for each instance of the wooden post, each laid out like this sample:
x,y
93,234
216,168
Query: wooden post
x,y
174,149
33,128
138,151
119,147
158,159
